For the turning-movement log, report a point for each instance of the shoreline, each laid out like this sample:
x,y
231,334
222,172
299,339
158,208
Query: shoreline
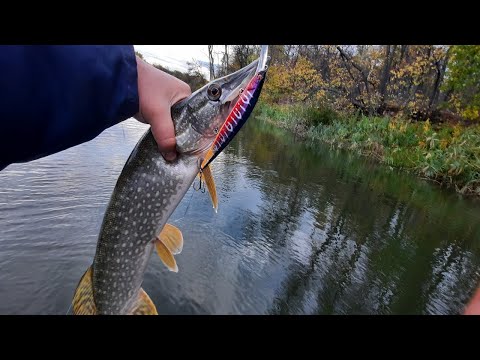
x,y
444,154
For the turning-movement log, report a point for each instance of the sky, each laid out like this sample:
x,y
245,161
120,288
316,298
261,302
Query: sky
x,y
175,57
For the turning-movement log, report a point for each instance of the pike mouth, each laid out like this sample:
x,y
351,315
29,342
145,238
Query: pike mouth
x,y
202,149
240,111
246,74
253,69
241,91
241,102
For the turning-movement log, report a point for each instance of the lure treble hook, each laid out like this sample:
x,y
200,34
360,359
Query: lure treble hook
x,y
200,187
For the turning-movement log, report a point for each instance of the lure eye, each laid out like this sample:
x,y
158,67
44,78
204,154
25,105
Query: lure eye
x,y
214,92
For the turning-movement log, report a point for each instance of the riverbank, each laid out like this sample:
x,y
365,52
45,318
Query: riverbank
x,y
446,154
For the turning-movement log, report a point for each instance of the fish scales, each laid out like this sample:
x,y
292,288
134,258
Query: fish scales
x,y
145,196
149,189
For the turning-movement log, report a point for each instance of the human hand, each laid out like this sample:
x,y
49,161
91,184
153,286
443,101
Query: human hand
x,y
473,306
157,92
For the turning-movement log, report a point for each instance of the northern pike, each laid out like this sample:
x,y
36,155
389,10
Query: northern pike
x,y
149,189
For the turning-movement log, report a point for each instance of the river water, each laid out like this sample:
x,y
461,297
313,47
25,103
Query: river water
x,y
299,231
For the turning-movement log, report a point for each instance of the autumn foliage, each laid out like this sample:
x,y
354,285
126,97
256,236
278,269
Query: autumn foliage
x,y
405,106
416,81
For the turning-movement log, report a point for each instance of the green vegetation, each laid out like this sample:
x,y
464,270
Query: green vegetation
x,y
414,107
446,154
464,80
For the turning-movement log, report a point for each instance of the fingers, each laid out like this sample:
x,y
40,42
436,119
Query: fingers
x,y
182,90
164,133
162,124
473,307
158,92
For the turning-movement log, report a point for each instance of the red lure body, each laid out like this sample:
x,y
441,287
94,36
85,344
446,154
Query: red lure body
x,y
237,116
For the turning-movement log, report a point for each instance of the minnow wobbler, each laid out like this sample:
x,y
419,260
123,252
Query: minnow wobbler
x,y
149,189
235,120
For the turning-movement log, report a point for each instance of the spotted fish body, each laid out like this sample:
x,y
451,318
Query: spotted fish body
x,y
146,194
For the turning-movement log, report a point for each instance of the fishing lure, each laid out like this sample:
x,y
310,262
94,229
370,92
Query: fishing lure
x,y
237,117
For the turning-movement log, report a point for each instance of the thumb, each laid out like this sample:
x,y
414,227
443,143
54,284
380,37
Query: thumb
x,y
158,91
161,121
163,131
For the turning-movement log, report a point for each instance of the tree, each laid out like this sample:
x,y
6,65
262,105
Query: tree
x,y
376,80
463,80
211,62
243,55
225,60
193,77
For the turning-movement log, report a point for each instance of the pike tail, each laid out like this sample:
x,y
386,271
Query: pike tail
x,y
84,301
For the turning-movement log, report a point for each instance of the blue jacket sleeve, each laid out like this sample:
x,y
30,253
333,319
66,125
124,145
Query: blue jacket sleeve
x,y
56,97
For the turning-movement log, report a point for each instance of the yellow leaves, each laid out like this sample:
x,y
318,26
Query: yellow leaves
x,y
443,144
456,101
304,70
422,144
298,82
439,52
471,112
411,105
417,69
358,79
456,131
427,126
304,79
277,84
398,126
320,95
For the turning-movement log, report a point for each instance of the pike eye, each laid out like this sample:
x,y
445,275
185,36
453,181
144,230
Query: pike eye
x,y
214,92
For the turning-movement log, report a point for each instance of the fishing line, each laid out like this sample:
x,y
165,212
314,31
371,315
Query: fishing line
x,y
227,235
188,205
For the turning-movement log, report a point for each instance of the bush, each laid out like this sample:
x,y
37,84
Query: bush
x,y
316,116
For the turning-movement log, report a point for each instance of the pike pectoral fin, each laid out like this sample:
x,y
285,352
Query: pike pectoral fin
x,y
145,305
83,301
166,256
172,237
212,190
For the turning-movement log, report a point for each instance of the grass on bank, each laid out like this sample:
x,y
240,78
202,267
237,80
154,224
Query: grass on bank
x,y
447,154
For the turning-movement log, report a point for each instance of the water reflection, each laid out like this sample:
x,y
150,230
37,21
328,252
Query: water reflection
x,y
299,231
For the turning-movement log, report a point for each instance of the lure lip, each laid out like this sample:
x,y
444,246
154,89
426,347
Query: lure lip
x,y
263,59
246,74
